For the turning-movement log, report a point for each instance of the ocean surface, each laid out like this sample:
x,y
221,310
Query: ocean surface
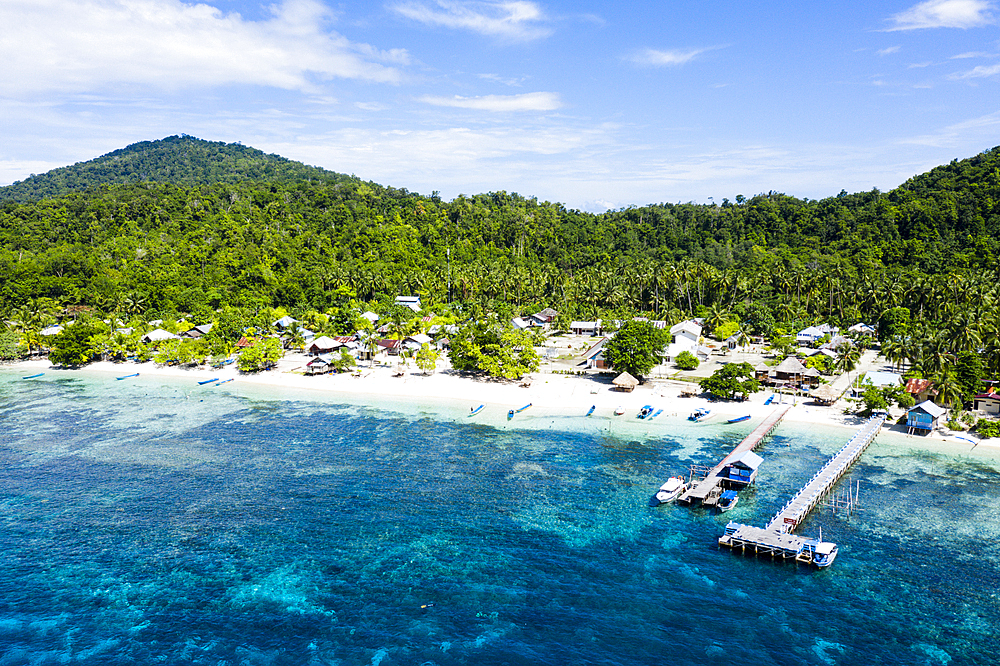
x,y
152,520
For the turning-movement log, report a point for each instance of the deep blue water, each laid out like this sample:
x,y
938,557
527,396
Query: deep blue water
x,y
151,521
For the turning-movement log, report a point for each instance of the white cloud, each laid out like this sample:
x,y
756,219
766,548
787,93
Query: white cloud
x,y
979,72
511,19
537,101
888,50
72,46
944,14
981,131
657,58
972,54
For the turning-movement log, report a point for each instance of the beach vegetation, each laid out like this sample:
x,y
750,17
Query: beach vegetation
x,y
988,428
687,361
426,358
73,346
494,347
636,348
732,381
262,355
10,346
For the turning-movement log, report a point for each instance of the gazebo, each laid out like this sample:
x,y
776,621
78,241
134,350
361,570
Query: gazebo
x,y
625,382
825,395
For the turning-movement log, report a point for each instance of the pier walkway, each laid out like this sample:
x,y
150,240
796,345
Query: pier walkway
x,y
776,539
707,490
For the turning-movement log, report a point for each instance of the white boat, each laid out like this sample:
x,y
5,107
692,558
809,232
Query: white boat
x,y
824,554
619,411
669,491
700,414
727,500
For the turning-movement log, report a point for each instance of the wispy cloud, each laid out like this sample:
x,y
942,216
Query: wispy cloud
x,y
512,19
979,72
507,81
657,58
69,46
944,14
887,51
972,54
978,130
536,101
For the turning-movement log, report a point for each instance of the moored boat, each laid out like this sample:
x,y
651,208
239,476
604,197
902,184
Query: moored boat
x,y
134,374
476,410
727,500
824,554
33,376
739,418
700,414
669,491
208,381
223,382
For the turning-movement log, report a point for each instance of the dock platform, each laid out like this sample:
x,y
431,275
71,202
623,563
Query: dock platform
x,y
707,490
776,539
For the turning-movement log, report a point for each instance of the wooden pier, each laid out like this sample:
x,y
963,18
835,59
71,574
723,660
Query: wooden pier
x,y
776,539
707,490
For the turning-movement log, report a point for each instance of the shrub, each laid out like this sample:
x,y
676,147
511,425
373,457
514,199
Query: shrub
x,y
686,361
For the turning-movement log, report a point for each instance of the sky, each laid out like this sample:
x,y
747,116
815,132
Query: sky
x,y
596,105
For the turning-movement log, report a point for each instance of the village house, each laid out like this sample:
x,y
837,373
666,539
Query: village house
x,y
594,357
924,417
411,302
586,327
921,389
987,402
687,335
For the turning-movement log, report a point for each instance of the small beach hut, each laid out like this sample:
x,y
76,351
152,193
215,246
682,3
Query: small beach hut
x,y
791,371
742,471
923,417
825,394
320,364
322,345
158,335
625,382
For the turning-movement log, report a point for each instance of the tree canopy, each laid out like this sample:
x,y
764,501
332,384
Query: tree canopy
x,y
636,348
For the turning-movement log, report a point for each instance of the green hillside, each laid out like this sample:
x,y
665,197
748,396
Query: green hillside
x,y
772,262
181,160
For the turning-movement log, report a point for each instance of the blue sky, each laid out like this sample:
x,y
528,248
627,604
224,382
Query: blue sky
x,y
593,104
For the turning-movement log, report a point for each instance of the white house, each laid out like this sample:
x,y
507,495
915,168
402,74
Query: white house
x,y
586,327
686,336
159,334
862,329
412,302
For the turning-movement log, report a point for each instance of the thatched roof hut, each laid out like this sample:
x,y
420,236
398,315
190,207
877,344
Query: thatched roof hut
x,y
825,394
625,382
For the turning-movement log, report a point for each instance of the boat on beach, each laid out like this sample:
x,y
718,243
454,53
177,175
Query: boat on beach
x,y
644,412
769,399
510,413
739,419
700,414
669,491
727,500
657,413
591,410
476,410
619,410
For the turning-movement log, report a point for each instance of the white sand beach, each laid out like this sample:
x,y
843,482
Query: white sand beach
x,y
574,394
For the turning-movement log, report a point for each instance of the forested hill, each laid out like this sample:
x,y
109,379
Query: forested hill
x,y
180,160
931,244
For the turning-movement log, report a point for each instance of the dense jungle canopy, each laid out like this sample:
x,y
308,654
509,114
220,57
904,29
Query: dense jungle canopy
x,y
188,226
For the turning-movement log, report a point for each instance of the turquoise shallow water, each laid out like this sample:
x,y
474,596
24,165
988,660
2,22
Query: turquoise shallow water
x,y
155,521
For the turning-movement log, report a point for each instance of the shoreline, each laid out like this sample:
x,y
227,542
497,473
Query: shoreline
x,y
567,393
